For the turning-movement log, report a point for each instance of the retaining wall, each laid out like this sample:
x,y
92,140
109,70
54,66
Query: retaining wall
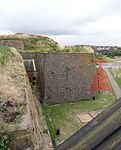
x,y
64,77
18,44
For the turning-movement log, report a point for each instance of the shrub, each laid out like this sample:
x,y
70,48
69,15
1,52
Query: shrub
x,y
5,142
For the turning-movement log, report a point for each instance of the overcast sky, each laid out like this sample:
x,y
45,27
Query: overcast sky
x,y
67,21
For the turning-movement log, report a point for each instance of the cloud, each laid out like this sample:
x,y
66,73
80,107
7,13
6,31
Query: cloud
x,y
67,21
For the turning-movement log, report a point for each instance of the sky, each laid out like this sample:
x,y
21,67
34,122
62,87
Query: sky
x,y
95,22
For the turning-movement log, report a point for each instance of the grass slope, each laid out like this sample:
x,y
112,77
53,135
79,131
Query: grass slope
x,y
41,44
74,49
117,75
119,81
64,116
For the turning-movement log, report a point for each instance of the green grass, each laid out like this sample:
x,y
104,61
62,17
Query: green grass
x,y
119,81
75,49
5,54
116,72
46,45
63,116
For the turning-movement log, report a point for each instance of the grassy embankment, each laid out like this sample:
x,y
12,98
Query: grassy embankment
x,y
64,116
117,75
47,45
41,44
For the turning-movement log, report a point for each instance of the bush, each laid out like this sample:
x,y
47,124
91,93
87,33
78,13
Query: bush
x,y
5,142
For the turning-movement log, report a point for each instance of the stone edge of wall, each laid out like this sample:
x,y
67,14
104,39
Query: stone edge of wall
x,y
40,140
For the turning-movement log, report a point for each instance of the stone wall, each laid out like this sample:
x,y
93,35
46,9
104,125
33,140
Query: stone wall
x,y
30,131
18,44
39,133
64,77
67,76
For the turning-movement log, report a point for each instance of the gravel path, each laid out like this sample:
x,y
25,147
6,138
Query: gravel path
x,y
114,84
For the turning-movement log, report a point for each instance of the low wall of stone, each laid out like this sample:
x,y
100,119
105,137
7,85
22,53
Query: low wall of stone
x,y
18,44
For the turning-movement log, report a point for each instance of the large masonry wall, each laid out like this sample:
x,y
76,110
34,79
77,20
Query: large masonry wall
x,y
66,76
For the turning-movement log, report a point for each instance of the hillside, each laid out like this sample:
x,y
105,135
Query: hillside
x,y
75,48
37,43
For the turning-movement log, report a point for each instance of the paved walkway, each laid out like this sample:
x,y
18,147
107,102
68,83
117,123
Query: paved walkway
x,y
88,116
114,84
